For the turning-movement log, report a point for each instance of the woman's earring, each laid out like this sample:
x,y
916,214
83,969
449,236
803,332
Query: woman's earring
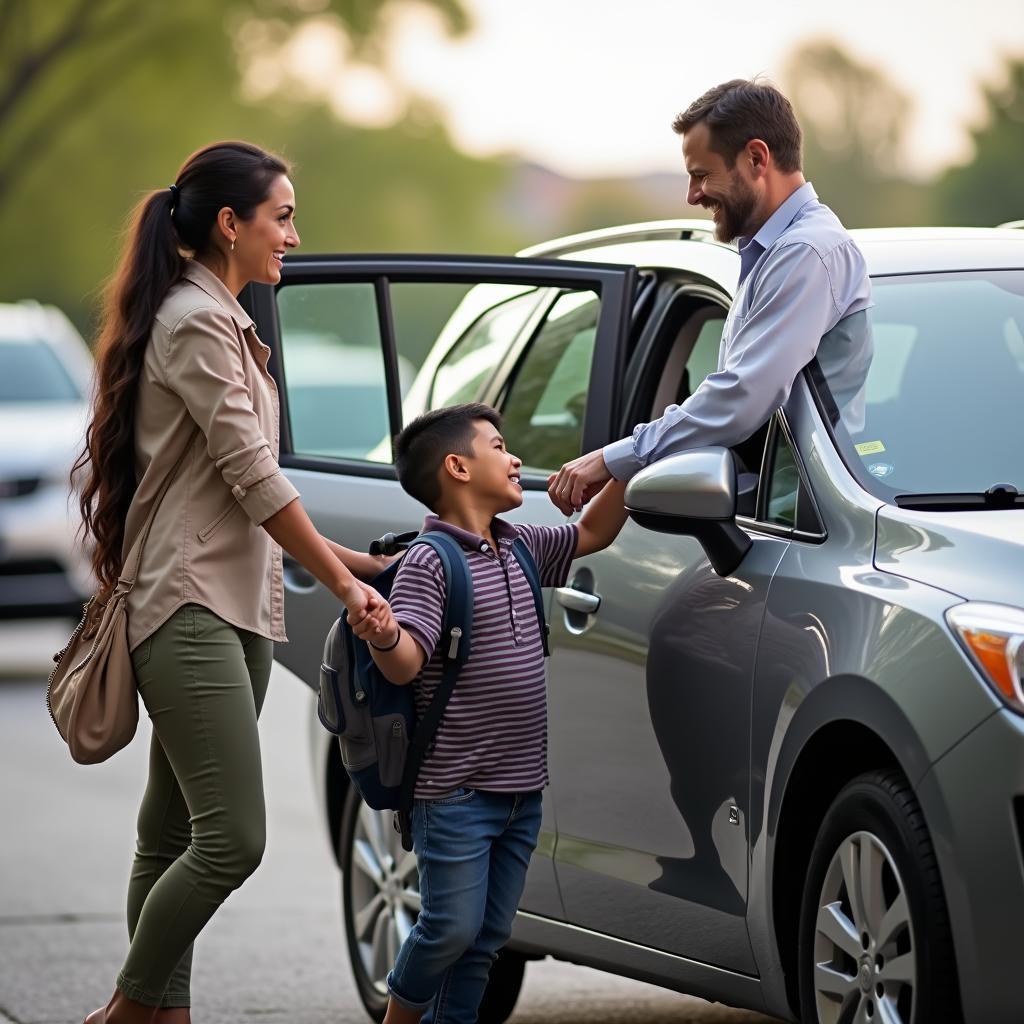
x,y
232,245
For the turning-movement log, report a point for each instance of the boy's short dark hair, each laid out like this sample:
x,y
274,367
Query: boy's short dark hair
x,y
740,110
421,448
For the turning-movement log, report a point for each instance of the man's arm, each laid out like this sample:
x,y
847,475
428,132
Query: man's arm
x,y
793,308
603,519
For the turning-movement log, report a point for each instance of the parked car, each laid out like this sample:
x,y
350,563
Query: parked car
x,y
45,381
786,705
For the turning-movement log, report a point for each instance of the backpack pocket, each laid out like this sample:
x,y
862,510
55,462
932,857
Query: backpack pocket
x,y
392,742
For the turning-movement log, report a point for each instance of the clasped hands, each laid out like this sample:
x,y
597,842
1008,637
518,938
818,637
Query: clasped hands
x,y
578,481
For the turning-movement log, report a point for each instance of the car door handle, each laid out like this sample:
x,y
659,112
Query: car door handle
x,y
578,600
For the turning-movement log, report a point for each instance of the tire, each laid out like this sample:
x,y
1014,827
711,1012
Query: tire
x,y
368,840
875,942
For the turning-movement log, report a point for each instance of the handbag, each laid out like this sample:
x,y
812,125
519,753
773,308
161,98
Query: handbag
x,y
91,693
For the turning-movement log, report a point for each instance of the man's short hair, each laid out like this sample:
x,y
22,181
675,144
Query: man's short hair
x,y
422,447
741,110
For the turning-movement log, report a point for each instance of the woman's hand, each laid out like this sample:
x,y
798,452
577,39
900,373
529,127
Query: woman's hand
x,y
362,602
381,631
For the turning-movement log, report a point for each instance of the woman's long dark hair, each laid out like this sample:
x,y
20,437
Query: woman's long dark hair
x,y
166,227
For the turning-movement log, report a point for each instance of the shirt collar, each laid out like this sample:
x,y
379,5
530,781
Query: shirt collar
x,y
773,227
210,283
752,248
504,533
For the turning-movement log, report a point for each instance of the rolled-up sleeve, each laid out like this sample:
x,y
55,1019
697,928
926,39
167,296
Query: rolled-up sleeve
x,y
204,367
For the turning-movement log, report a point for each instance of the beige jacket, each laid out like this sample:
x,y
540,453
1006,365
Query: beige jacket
x,y
204,365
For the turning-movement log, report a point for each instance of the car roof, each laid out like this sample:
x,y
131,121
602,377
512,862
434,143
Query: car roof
x,y
690,245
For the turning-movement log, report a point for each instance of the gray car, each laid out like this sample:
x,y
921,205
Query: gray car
x,y
786,706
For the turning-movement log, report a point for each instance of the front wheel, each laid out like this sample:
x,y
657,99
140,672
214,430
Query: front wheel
x,y
875,942
380,901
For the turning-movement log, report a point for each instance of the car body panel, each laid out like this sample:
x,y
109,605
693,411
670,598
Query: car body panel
x,y
974,802
843,630
978,555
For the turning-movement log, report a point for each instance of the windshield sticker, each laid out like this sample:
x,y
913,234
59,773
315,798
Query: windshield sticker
x,y
870,448
881,469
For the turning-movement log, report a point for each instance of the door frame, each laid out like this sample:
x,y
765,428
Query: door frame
x,y
614,283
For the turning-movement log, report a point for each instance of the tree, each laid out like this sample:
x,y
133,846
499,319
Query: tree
x,y
854,120
62,56
404,187
987,190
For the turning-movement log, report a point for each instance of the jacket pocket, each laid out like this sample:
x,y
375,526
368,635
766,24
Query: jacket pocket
x,y
208,531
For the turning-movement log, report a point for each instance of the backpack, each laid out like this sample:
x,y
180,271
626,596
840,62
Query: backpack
x,y
382,743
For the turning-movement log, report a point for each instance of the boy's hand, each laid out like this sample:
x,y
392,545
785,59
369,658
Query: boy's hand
x,y
578,481
379,628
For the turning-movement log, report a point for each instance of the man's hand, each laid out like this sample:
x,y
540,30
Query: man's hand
x,y
578,481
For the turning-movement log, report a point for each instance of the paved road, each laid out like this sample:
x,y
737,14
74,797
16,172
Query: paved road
x,y
273,954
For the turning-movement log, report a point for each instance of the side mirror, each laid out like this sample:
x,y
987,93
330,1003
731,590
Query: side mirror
x,y
693,493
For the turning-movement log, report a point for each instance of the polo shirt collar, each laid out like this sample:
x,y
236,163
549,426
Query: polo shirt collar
x,y
504,533
210,283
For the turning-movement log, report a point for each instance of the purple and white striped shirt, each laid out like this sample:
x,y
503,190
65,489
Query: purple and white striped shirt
x,y
494,734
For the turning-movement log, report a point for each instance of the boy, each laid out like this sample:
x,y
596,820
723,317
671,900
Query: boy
x,y
477,806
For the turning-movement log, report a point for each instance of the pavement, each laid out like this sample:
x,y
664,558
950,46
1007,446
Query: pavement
x,y
274,953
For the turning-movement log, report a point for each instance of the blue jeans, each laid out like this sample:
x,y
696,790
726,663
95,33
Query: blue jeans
x,y
473,849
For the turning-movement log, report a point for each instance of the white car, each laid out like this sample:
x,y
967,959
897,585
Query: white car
x,y
45,384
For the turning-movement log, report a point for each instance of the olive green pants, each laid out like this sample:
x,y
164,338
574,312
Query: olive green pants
x,y
202,824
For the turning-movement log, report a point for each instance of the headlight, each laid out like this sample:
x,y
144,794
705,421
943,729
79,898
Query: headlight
x,y
993,636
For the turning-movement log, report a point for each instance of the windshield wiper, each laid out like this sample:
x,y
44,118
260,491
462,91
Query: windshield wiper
x,y
998,496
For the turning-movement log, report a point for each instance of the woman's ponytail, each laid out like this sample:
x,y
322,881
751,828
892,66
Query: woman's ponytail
x,y
166,226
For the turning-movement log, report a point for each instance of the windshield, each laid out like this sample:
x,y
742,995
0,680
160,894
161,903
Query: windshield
x,y
30,372
926,397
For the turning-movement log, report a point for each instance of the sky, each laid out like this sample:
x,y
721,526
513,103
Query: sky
x,y
590,87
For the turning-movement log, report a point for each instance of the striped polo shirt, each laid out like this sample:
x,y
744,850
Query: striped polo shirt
x,y
494,734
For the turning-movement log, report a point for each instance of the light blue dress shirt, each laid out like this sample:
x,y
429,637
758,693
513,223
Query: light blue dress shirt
x,y
800,275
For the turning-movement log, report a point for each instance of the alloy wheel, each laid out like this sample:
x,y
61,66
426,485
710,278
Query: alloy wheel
x,y
864,959
384,892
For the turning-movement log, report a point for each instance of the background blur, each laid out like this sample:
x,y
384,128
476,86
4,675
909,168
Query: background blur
x,y
483,125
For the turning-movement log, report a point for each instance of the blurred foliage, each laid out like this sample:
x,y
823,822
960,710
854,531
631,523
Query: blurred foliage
x,y
102,100
139,86
854,120
855,124
988,189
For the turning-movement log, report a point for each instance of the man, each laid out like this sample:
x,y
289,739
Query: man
x,y
801,274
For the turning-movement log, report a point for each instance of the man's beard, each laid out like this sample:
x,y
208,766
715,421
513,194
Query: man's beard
x,y
735,211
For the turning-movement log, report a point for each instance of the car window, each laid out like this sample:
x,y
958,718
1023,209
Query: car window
x,y
470,364
783,484
545,401
333,360
334,369
925,386
704,357
31,372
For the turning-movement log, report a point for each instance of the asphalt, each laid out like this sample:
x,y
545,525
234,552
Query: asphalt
x,y
274,953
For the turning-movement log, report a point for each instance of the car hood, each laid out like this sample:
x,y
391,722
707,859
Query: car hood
x,y
977,555
40,439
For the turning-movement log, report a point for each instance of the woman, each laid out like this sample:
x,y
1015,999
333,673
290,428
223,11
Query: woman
x,y
181,375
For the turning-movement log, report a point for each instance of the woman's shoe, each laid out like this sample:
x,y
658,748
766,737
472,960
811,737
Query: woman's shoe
x,y
122,1010
173,1015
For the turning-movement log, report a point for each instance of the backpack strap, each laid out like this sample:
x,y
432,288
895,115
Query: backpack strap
x,y
455,643
529,567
